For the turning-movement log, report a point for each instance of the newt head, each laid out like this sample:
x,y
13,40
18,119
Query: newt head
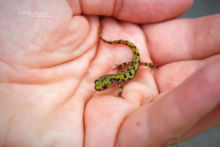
x,y
102,83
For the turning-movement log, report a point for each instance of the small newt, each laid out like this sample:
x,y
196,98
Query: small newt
x,y
127,74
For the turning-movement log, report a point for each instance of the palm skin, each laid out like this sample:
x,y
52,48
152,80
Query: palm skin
x,y
49,62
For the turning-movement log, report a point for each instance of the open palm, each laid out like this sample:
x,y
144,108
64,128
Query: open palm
x,y
50,57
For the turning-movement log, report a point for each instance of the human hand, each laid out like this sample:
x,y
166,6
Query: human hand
x,y
49,62
187,80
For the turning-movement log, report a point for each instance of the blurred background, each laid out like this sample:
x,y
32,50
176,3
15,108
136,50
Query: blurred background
x,y
210,138
202,8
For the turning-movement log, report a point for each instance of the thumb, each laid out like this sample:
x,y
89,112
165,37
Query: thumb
x,y
177,114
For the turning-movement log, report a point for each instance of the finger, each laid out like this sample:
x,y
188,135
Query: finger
x,y
173,74
138,11
177,112
184,39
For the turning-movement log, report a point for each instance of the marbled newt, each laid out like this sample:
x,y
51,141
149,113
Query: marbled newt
x,y
126,74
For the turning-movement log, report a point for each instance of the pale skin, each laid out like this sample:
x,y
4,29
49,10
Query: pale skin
x,y
50,56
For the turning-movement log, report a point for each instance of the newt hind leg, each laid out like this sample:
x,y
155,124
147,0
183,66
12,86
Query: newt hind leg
x,y
116,83
122,65
149,64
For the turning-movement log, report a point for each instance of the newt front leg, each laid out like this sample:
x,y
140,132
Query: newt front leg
x,y
120,86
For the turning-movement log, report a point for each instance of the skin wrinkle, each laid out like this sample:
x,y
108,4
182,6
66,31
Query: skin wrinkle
x,y
114,6
194,37
81,5
38,71
8,130
189,37
119,128
118,7
148,44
